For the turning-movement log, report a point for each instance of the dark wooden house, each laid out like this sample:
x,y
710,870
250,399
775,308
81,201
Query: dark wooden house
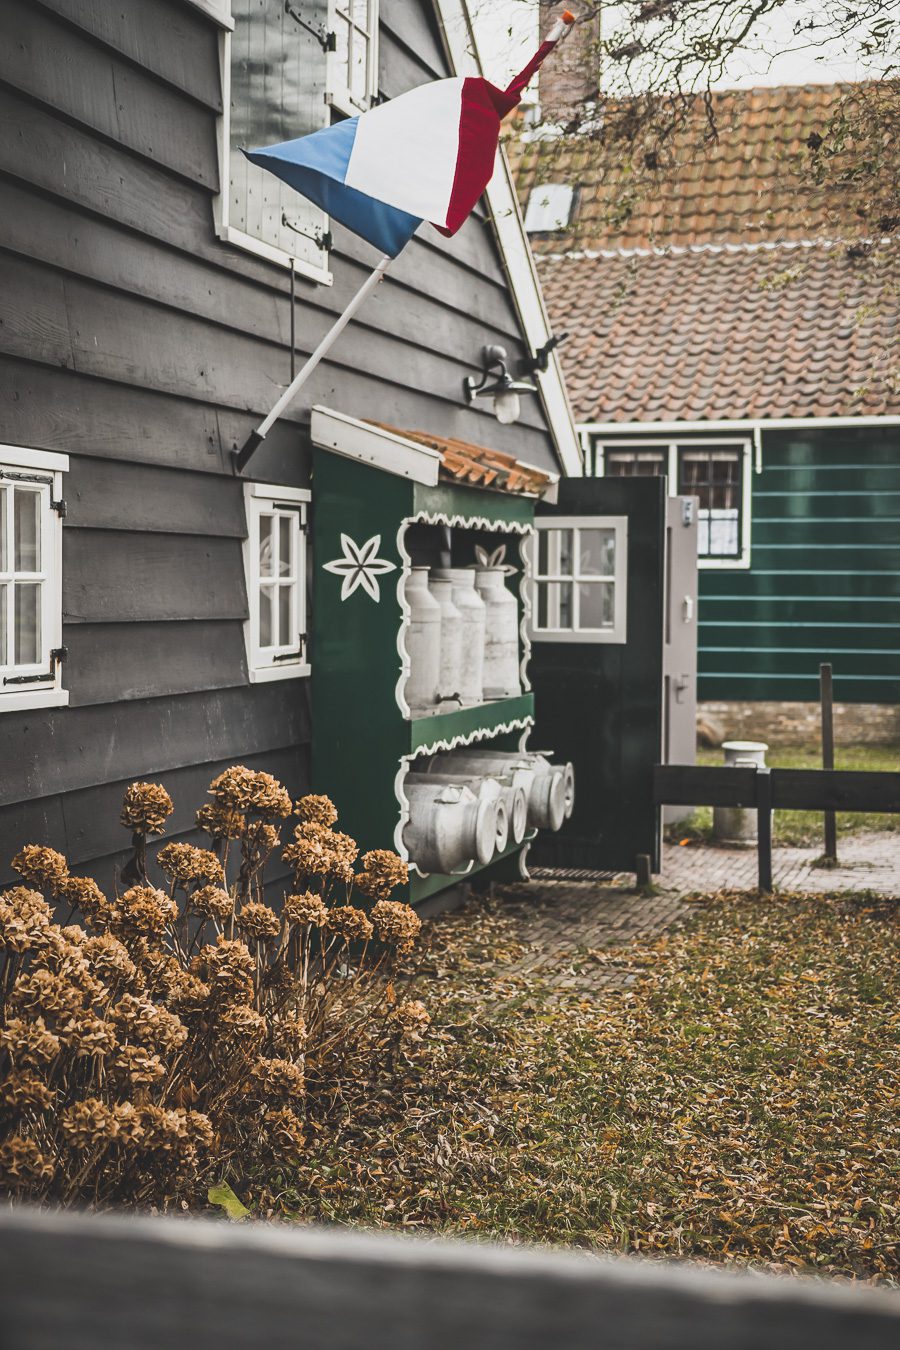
x,y
146,322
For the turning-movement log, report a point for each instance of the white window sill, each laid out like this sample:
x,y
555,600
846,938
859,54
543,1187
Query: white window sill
x,y
723,564
267,674
230,235
25,699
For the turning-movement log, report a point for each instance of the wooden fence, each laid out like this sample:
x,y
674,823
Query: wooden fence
x,y
77,1282
766,790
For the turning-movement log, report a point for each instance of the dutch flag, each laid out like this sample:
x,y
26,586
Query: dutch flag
x,y
426,155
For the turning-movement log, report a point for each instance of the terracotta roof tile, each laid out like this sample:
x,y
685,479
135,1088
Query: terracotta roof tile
x,y
477,465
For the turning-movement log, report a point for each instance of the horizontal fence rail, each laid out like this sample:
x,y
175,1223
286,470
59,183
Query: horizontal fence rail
x,y
76,1282
766,790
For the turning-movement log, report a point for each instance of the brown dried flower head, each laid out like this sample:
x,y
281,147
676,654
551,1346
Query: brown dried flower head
x,y
43,866
260,840
189,995
128,1125
134,1065
146,808
382,872
311,853
108,958
213,903
289,1035
411,1016
29,1042
24,919
49,994
396,924
256,920
23,1164
243,1024
317,810
86,895
24,1090
278,1078
142,1021
220,821
284,1134
228,969
88,1124
183,863
305,909
146,911
244,790
85,1035
349,923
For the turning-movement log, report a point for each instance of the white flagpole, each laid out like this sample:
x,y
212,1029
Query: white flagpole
x,y
255,439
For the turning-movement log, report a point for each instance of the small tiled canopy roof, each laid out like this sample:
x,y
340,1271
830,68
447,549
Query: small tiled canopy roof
x,y
478,466
725,333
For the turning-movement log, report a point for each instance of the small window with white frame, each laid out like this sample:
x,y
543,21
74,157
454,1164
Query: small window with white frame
x,y
275,69
549,208
275,571
353,60
717,473
31,511
579,579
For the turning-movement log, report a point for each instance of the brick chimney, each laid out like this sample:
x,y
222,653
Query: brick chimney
x,y
570,75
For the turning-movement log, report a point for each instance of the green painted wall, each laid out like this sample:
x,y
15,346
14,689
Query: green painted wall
x,y
824,581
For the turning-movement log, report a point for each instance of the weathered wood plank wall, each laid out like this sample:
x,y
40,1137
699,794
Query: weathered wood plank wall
x,y
136,342
168,1284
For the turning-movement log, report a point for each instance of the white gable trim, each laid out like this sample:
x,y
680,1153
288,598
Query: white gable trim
x,y
347,436
462,51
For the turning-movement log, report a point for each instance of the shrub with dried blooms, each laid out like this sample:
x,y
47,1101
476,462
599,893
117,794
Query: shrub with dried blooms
x,y
175,1036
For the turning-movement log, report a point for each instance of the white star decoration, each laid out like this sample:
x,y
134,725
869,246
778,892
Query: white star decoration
x,y
360,566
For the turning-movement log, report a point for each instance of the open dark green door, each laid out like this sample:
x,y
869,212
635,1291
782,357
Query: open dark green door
x,y
597,665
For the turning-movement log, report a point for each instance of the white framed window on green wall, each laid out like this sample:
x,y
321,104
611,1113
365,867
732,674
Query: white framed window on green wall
x,y
718,472
579,579
275,62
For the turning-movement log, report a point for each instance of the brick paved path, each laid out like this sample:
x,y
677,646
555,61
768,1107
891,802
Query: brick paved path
x,y
577,932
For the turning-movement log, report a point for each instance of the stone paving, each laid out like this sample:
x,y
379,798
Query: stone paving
x,y
577,932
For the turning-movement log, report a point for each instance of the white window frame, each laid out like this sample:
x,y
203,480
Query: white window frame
x,y
338,92
50,467
228,233
551,212
671,448
262,665
617,633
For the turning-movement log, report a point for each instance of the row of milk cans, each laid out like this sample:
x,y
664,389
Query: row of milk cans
x,y
463,638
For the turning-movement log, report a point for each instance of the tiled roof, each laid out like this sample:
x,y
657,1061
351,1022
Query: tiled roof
x,y
749,185
725,333
478,466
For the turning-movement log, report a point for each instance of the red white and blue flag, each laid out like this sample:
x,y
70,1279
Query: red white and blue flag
x,y
426,155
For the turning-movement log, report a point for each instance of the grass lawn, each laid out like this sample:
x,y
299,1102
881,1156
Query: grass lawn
x,y
737,1103
804,827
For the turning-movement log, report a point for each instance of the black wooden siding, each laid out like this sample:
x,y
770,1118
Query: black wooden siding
x,y
136,342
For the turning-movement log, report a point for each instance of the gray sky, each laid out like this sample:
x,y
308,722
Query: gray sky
x,y
508,33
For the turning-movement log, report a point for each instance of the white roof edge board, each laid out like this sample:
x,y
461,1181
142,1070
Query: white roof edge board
x,y
353,439
515,251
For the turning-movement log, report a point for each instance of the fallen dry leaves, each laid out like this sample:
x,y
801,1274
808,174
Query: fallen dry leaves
x,y
737,1103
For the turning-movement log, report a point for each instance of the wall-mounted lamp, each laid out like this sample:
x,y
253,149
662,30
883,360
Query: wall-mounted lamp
x,y
497,383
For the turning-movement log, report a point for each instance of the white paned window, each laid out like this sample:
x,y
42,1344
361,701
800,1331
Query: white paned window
x,y
549,207
353,61
275,571
579,579
31,510
274,70
717,473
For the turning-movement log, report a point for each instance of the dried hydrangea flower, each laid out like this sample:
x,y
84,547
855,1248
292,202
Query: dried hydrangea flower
x,y
244,1024
29,1042
382,871
44,866
145,910
24,919
212,903
305,909
108,958
146,808
200,1130
23,1164
86,895
85,1035
311,853
256,920
48,993
396,924
411,1016
289,1035
349,923
228,968
189,995
284,1133
128,1124
241,788
135,1065
87,1124
278,1078
22,1089
316,809
220,821
143,1021
183,862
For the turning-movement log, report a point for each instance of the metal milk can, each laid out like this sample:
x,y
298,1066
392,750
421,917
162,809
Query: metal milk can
x,y
450,671
474,614
449,827
501,645
423,643
492,789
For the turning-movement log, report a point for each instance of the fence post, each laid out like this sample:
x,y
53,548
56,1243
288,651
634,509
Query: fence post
x,y
764,828
826,695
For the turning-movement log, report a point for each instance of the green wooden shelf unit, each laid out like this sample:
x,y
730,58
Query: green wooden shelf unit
x,y
372,516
